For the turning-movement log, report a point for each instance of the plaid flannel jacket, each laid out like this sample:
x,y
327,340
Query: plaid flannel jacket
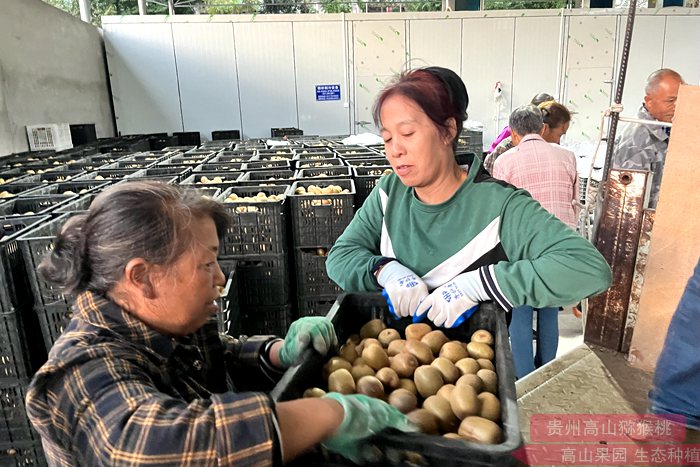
x,y
116,392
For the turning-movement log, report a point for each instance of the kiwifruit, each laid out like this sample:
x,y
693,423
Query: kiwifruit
x,y
314,392
464,402
420,350
482,336
358,371
486,364
452,436
372,328
471,380
428,380
490,406
446,390
490,380
404,400
335,363
404,364
450,373
479,350
388,377
395,347
341,381
424,420
440,407
387,335
408,384
348,352
453,351
417,331
480,430
359,361
370,386
375,357
366,342
353,338
468,365
435,340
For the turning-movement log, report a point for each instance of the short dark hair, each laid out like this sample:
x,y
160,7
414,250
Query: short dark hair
x,y
140,219
437,91
554,114
541,97
526,120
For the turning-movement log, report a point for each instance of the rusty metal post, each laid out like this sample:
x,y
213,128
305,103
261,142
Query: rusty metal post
x,y
638,278
619,228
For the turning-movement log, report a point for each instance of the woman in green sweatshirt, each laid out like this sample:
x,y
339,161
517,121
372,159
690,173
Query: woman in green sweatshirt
x,y
439,237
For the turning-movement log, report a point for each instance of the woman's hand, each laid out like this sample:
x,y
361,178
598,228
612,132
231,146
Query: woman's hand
x,y
363,417
403,289
311,331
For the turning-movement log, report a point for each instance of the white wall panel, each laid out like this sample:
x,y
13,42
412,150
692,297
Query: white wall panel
x,y
536,58
206,69
646,55
589,71
435,42
379,54
319,60
681,51
265,55
143,76
487,57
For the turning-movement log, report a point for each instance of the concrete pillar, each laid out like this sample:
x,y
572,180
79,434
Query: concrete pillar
x,y
142,7
85,12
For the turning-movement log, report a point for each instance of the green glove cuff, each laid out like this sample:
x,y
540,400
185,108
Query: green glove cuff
x,y
311,331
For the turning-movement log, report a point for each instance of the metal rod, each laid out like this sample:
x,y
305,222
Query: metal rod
x,y
620,88
644,122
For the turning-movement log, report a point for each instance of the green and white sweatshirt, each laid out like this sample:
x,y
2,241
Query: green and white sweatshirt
x,y
525,255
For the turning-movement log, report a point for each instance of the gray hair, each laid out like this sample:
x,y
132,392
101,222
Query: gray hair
x,y
526,120
140,219
656,77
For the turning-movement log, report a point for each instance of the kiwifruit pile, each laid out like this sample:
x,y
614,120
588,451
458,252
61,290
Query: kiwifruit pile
x,y
445,387
261,197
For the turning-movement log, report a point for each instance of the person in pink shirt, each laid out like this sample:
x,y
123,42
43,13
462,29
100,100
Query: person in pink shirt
x,y
548,172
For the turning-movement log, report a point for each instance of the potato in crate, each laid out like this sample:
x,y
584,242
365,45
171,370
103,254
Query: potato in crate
x,y
321,210
258,220
462,377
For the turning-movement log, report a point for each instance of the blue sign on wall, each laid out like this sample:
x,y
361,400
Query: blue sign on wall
x,y
328,92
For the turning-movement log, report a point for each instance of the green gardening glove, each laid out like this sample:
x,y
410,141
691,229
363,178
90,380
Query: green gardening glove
x,y
364,416
310,331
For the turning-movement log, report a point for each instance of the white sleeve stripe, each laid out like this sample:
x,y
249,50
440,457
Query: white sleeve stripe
x,y
492,288
385,246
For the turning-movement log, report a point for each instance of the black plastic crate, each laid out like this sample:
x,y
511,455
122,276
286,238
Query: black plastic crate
x,y
313,153
257,227
188,138
16,188
262,280
22,454
366,179
282,132
320,219
225,134
82,203
277,154
14,423
226,157
371,162
179,172
229,317
262,320
228,179
315,305
114,175
312,279
221,167
148,157
354,152
269,165
53,320
318,163
188,159
35,243
10,175
178,149
34,204
130,163
353,310
267,177
324,173
14,354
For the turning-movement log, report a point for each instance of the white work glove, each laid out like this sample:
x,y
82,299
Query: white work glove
x,y
454,302
403,289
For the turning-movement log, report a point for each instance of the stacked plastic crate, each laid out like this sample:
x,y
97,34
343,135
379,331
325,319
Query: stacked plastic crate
x,y
255,245
322,205
367,165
